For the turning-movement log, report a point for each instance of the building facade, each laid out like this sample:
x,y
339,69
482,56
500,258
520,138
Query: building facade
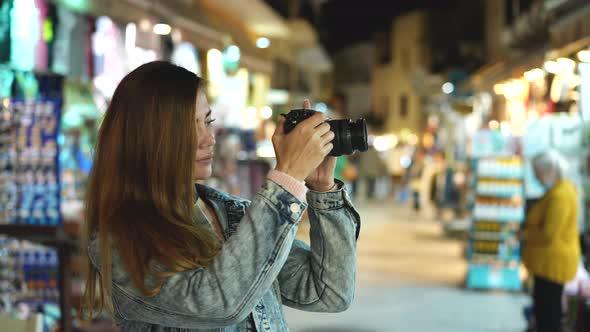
x,y
402,58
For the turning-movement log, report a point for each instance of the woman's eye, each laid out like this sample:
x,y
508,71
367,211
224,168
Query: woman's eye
x,y
209,122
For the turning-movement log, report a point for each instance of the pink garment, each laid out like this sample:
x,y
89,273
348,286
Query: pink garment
x,y
41,55
292,185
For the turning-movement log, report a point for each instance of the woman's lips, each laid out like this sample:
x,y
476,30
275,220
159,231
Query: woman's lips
x,y
206,158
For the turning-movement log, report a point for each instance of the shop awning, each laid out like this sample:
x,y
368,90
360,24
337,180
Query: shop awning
x,y
256,15
568,35
503,69
205,27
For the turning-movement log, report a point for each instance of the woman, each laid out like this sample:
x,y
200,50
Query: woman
x,y
168,255
552,250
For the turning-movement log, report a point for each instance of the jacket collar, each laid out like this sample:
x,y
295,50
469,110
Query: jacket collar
x,y
210,194
232,207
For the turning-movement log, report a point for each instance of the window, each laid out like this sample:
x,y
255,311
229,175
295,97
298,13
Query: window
x,y
403,106
383,47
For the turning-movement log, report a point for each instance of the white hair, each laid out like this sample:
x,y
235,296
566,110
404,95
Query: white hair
x,y
551,161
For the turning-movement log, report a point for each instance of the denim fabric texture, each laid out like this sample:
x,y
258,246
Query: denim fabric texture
x,y
260,267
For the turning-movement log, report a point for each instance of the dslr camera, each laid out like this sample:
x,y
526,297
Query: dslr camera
x,y
350,135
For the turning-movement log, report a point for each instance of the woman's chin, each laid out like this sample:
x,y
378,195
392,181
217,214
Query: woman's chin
x,y
202,174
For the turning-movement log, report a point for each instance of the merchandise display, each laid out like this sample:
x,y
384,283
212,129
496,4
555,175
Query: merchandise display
x,y
29,166
493,248
5,18
251,175
28,281
77,139
59,67
34,274
108,50
236,169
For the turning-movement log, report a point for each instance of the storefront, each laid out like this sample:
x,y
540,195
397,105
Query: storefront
x,y
238,97
540,101
58,71
56,78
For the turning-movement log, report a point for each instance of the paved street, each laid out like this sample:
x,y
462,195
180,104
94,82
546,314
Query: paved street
x,y
409,279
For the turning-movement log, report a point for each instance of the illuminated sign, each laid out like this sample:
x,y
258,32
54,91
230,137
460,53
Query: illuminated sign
x,y
25,32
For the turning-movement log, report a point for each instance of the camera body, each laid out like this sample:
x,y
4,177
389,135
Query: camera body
x,y
350,135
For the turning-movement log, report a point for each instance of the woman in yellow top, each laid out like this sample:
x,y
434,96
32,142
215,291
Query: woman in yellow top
x,y
552,250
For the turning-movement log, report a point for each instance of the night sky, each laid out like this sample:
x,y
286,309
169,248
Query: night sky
x,y
342,23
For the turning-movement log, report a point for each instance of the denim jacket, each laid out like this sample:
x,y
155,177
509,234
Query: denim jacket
x,y
260,267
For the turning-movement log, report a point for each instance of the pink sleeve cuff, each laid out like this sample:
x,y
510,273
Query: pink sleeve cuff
x,y
296,188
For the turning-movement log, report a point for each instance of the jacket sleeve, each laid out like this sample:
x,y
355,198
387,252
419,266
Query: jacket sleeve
x,y
225,292
556,217
321,278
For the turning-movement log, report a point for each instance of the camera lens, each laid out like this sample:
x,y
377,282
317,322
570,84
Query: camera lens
x,y
350,136
358,137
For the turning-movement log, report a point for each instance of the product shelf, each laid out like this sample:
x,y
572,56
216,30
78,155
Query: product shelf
x,y
493,251
66,246
493,236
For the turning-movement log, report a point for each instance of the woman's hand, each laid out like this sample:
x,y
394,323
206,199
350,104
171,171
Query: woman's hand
x,y
322,178
302,150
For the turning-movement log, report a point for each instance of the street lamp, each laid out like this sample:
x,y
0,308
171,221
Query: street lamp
x,y
262,42
448,88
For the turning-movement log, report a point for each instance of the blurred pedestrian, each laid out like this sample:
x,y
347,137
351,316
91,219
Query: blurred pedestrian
x,y
436,184
371,167
552,248
415,177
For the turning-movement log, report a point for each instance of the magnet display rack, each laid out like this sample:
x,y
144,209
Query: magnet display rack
x,y
30,189
493,247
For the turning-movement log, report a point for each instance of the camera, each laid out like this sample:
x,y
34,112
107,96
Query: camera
x,y
350,135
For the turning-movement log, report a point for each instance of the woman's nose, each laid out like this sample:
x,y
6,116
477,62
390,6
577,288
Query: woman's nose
x,y
208,139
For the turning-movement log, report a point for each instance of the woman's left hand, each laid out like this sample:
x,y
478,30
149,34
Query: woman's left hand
x,y
322,178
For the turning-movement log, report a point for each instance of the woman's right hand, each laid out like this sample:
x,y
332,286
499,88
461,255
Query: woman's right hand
x,y
303,149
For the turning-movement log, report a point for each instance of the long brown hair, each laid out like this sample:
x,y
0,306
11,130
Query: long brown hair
x,y
140,194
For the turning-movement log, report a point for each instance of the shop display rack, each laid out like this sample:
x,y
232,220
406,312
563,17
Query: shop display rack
x,y
63,240
493,247
30,198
